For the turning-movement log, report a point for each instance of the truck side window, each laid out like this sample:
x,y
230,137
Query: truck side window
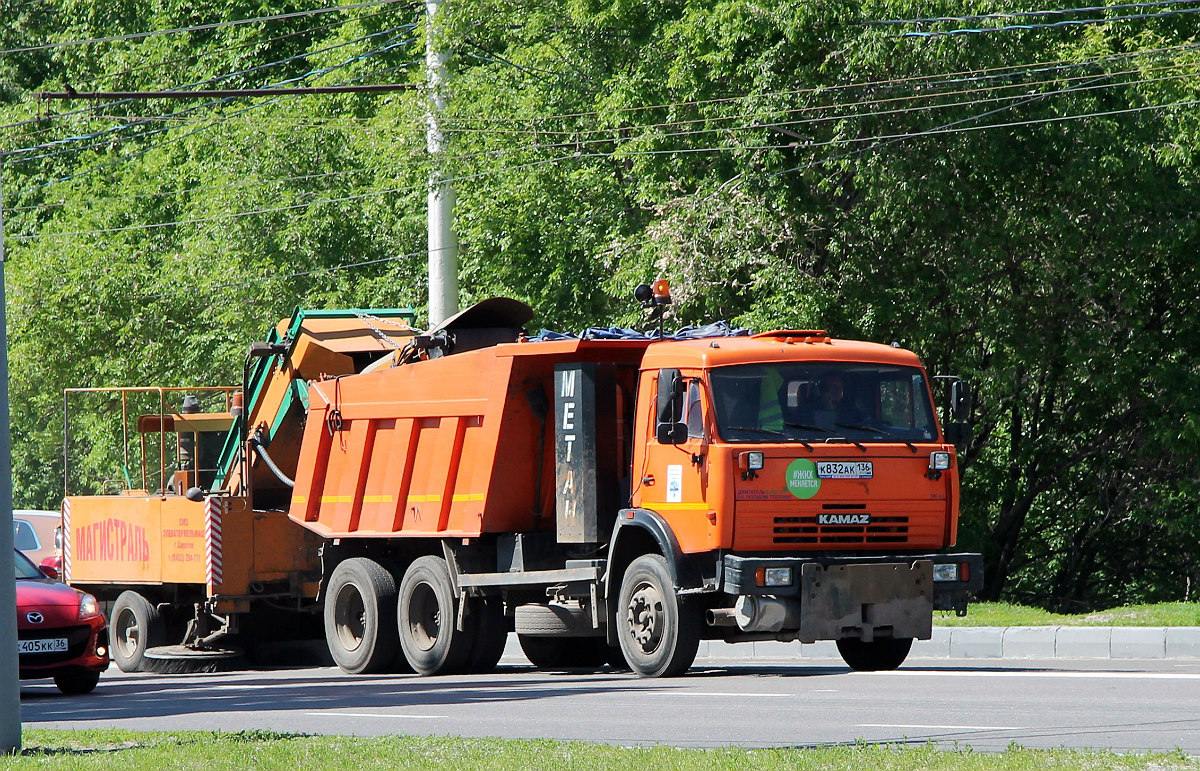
x,y
693,412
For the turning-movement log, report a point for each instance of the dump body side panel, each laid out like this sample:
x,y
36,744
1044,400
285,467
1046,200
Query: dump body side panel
x,y
409,450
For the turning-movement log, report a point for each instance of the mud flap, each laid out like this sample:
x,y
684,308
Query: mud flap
x,y
866,602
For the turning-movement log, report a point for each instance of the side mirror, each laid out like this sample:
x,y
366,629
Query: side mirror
x,y
960,399
49,571
959,434
668,429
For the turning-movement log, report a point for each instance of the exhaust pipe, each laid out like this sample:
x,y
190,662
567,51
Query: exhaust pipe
x,y
720,617
766,614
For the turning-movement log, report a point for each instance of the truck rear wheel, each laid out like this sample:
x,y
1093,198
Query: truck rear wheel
x,y
659,632
360,616
874,656
136,626
426,615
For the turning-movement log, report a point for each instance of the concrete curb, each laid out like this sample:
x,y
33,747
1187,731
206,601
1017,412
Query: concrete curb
x,y
1017,642
1010,643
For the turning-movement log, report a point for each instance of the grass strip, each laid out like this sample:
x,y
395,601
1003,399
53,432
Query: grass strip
x,y
251,750
1172,614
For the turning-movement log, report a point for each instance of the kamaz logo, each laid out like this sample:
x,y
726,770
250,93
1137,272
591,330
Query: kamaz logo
x,y
843,519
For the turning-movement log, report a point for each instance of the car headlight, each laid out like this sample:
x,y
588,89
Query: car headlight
x,y
89,607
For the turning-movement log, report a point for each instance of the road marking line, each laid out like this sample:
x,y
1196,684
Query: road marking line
x,y
942,727
375,714
1048,674
738,694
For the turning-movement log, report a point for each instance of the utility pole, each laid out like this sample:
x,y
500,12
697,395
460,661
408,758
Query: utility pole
x,y
443,244
10,683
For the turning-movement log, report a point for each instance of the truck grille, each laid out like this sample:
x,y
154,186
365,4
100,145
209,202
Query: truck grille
x,y
808,529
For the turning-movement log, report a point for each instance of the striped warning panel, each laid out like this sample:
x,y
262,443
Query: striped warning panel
x,y
66,540
215,509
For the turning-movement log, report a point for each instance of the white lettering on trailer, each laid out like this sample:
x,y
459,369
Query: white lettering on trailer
x,y
568,382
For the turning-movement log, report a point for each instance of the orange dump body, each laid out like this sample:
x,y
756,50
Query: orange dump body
x,y
454,446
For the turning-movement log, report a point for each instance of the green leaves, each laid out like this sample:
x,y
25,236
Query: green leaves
x,y
1015,205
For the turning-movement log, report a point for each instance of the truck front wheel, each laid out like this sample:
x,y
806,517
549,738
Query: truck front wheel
x,y
659,632
136,626
360,616
874,656
427,614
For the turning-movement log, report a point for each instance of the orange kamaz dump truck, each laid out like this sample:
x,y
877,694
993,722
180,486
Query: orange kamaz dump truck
x,y
612,498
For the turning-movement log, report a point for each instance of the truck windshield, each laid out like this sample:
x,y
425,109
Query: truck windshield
x,y
814,402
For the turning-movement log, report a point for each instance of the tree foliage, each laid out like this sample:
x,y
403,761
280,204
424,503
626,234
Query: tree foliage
x,y
1016,204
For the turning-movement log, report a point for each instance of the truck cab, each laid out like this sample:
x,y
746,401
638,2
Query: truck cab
x,y
805,487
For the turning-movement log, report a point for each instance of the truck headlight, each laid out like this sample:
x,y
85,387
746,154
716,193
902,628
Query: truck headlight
x,y
773,577
946,572
750,461
939,460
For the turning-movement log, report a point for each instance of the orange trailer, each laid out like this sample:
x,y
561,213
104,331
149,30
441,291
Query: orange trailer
x,y
611,498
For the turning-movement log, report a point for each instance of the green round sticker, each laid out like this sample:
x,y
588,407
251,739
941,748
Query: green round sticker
x,y
802,479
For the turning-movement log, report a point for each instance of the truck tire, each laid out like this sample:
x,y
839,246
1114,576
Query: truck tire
x,y
426,613
659,632
874,656
360,616
536,620
489,634
136,626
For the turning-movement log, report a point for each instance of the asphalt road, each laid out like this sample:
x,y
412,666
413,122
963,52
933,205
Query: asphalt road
x,y
986,705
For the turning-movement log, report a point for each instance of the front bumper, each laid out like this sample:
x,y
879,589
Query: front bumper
x,y
745,575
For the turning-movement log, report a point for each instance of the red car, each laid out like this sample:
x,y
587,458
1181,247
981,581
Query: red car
x,y
61,632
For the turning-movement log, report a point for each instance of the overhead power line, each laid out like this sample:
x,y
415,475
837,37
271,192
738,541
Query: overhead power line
x,y
112,131
202,27
1027,14
159,65
1051,24
226,93
952,128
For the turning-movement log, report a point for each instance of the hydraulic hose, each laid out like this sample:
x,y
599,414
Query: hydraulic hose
x,y
261,448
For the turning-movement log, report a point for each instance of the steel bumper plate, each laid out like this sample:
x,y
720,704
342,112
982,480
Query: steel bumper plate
x,y
866,601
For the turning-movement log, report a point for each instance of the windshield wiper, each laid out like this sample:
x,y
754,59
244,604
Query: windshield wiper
x,y
877,430
807,427
773,432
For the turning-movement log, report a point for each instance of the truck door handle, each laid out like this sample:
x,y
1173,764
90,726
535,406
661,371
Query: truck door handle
x,y
648,480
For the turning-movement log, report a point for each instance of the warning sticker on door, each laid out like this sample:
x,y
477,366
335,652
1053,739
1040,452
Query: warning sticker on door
x,y
674,484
